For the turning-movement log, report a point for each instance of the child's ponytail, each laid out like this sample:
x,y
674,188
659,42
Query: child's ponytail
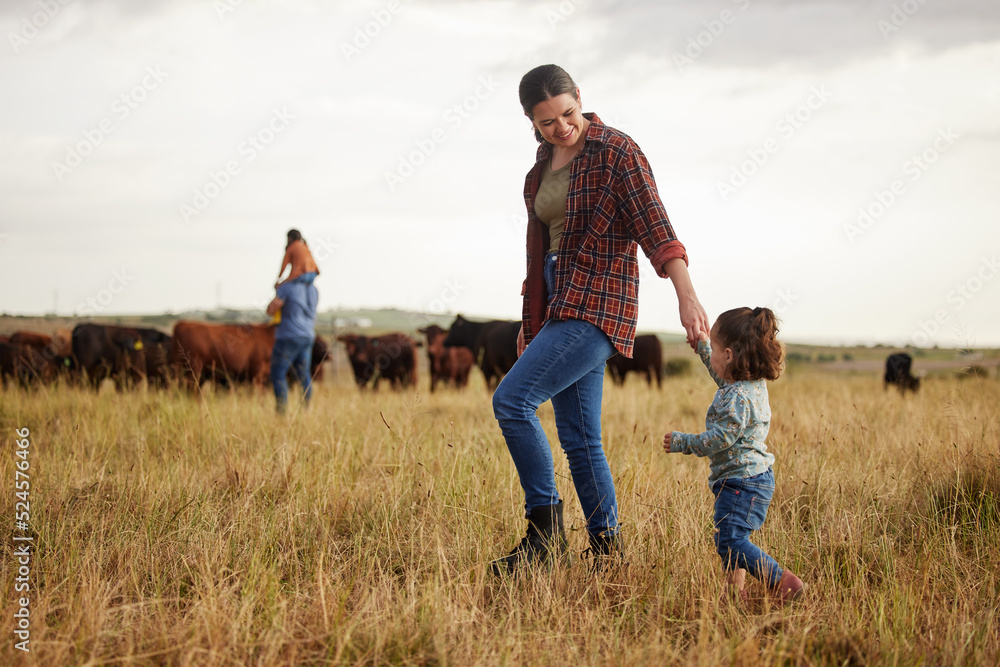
x,y
752,335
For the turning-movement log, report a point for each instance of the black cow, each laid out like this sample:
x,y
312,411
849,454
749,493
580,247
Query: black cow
x,y
647,358
493,344
124,354
897,372
320,353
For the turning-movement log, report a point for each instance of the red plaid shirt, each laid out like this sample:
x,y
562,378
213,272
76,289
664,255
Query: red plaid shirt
x,y
612,205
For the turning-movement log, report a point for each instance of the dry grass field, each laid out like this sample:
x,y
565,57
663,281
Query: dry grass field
x,y
177,531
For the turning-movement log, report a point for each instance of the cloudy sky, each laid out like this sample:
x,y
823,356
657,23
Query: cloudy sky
x,y
834,160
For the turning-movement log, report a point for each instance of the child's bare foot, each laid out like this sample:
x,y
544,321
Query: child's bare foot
x,y
734,588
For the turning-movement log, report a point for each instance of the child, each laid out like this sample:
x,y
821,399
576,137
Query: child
x,y
743,353
304,268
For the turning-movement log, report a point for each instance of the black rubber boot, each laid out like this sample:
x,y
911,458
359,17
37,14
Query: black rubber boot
x,y
605,552
544,542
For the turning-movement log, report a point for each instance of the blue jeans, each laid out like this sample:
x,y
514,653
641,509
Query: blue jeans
x,y
294,353
741,507
307,278
565,363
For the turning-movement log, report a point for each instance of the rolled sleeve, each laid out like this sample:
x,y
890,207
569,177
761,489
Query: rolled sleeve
x,y
666,252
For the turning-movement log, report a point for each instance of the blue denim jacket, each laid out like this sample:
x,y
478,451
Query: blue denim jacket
x,y
735,428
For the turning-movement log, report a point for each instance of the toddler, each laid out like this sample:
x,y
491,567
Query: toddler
x,y
297,255
741,352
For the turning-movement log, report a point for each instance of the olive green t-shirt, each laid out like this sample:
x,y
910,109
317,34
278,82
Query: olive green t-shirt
x,y
550,201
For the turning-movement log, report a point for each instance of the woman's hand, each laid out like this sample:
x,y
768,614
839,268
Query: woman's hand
x,y
667,439
520,342
694,320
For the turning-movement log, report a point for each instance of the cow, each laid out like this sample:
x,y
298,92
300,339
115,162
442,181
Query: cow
x,y
320,353
25,364
127,355
228,353
56,346
447,364
56,352
897,372
647,359
391,357
493,344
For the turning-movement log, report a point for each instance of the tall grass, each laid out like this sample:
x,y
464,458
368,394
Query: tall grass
x,y
173,530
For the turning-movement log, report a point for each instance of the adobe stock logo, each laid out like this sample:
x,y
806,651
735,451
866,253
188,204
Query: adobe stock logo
x,y
899,17
248,149
786,126
703,40
562,12
223,7
30,25
365,34
450,293
100,301
455,116
914,168
958,298
121,108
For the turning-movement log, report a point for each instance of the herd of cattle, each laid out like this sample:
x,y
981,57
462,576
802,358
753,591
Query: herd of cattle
x,y
196,352
229,354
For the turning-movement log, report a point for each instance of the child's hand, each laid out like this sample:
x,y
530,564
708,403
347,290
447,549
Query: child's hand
x,y
666,441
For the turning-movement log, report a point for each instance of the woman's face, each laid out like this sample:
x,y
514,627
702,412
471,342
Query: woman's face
x,y
560,120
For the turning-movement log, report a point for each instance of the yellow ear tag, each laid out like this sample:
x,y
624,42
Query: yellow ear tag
x,y
276,318
138,345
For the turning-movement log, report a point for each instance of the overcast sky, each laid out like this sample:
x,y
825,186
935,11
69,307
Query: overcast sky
x,y
836,161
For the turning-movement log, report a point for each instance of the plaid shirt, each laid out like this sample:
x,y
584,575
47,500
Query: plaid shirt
x,y
612,205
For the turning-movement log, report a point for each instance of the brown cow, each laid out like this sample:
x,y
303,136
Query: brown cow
x,y
51,355
392,357
59,345
230,352
647,358
25,364
31,338
447,364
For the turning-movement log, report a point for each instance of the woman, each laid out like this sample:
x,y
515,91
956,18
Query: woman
x,y
590,198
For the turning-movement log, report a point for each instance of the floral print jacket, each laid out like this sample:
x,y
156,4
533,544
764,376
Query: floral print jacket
x,y
735,428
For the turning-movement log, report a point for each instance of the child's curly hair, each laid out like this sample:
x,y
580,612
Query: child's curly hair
x,y
752,336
